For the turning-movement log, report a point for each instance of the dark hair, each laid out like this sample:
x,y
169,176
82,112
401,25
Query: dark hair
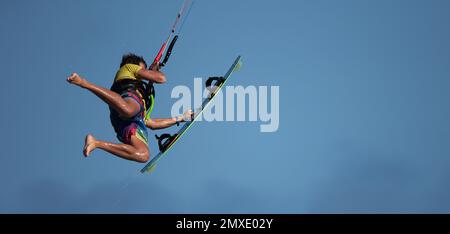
x,y
132,59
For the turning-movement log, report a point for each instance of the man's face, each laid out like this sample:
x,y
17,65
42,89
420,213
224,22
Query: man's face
x,y
142,65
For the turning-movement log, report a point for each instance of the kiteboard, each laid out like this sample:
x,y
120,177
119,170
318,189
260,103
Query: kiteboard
x,y
166,141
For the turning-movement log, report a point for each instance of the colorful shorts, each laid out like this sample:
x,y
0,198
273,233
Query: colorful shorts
x,y
126,128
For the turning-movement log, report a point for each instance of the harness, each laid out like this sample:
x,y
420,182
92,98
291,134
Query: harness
x,y
144,90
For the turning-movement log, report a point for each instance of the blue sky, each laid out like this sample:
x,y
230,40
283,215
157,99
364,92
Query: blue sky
x,y
364,107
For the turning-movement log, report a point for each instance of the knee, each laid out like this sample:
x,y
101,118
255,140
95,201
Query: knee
x,y
142,156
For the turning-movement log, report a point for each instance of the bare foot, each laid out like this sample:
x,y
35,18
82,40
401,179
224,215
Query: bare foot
x,y
89,145
76,80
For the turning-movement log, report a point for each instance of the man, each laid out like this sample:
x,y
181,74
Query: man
x,y
128,102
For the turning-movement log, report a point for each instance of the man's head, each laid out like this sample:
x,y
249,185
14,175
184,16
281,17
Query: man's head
x,y
133,59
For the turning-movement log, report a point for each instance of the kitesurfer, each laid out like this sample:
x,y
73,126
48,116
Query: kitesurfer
x,y
130,101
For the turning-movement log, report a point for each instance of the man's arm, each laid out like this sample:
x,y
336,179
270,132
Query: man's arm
x,y
168,122
153,76
155,124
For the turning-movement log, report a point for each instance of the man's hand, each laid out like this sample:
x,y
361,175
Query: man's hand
x,y
187,116
76,80
155,66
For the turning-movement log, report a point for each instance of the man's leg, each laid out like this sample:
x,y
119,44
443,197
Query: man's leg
x,y
125,107
135,151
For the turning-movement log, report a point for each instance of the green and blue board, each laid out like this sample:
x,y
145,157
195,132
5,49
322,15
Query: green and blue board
x,y
151,165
